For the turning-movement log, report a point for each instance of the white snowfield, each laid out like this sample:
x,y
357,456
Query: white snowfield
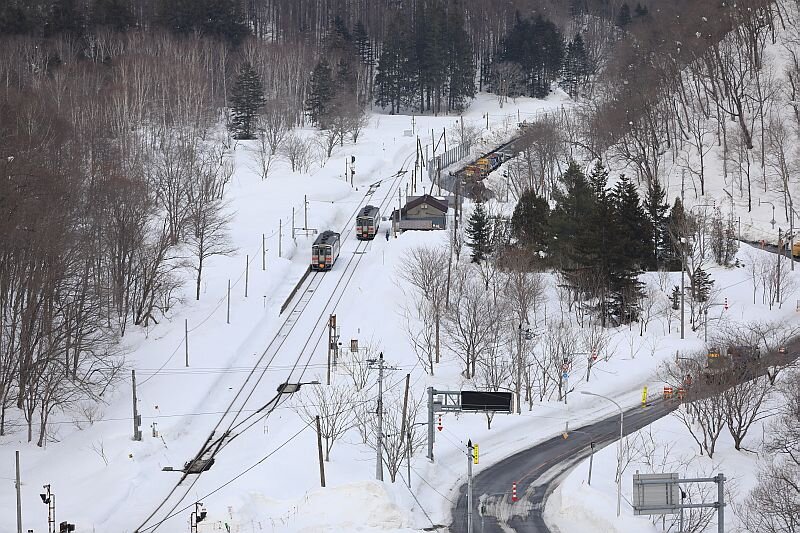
x,y
267,477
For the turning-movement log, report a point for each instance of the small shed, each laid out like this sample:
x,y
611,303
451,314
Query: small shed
x,y
424,212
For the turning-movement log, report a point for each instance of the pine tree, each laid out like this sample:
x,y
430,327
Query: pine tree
x,y
631,251
656,207
363,44
116,14
320,93
634,230
395,79
677,227
624,16
479,232
538,48
529,223
701,285
460,68
574,201
247,99
576,66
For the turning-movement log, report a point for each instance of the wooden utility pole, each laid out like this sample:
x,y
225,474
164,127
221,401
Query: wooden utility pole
x,y
19,496
319,449
379,447
405,426
186,339
137,434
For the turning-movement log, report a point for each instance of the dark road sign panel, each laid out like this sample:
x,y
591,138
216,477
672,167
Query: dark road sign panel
x,y
485,401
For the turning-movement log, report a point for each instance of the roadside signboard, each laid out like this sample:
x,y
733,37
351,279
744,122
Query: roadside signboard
x,y
656,494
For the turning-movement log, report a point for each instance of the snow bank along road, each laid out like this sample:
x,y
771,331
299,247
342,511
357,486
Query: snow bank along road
x,y
538,470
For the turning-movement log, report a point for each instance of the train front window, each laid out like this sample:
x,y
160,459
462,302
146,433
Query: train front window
x,y
363,221
323,251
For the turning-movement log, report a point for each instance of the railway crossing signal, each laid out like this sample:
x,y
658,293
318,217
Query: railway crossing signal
x,y
440,427
725,305
514,491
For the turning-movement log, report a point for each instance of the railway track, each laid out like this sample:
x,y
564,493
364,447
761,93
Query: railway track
x,y
233,423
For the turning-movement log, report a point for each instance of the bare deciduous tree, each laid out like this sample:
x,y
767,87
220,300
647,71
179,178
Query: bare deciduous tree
x,y
333,405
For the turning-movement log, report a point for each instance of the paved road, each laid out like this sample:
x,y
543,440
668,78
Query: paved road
x,y
538,471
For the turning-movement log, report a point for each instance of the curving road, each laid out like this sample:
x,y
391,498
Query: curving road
x,y
537,471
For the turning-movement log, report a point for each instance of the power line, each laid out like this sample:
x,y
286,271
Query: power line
x,y
237,476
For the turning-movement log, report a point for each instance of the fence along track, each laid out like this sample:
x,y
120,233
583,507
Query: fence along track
x,y
212,447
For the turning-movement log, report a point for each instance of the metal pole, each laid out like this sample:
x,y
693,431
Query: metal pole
x,y
293,224
780,253
137,435
228,318
263,252
619,481
408,459
379,447
305,213
519,370
791,236
591,458
246,273
186,339
683,284
469,486
280,235
705,325
431,434
19,496
683,242
321,462
721,503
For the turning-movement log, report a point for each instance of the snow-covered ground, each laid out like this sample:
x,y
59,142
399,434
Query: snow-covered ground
x,y
106,482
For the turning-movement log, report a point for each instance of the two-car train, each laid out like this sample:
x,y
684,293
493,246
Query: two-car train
x,y
327,245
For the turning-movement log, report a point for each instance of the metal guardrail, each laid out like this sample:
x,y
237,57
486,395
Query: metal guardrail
x,y
446,159
294,291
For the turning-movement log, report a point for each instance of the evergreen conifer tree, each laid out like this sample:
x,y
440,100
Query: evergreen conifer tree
x,y
677,227
574,201
634,230
479,232
363,44
247,99
460,68
701,285
656,207
624,16
529,223
320,92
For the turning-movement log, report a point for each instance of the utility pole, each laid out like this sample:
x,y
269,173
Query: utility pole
x,y
246,273
228,316
721,503
333,346
137,420
186,339
519,371
379,447
19,496
319,449
263,252
469,486
683,243
405,426
431,434
780,253
280,235
294,225
305,214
